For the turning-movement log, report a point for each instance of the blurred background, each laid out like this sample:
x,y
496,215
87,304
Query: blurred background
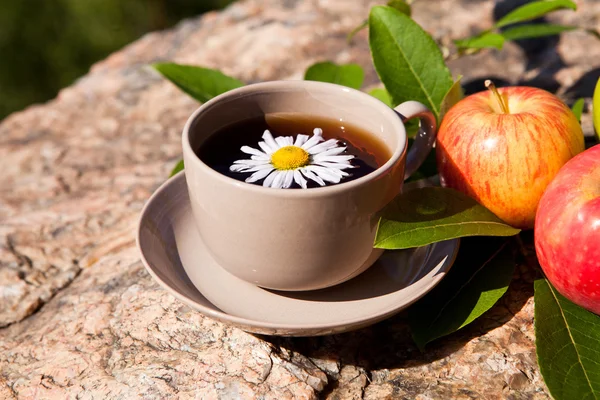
x,y
45,45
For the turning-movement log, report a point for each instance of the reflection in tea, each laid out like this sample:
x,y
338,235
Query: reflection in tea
x,y
293,151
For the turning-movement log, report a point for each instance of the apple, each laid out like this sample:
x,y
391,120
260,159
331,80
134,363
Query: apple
x,y
503,146
567,230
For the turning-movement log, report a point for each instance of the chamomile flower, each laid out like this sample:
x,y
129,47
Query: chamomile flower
x,y
284,160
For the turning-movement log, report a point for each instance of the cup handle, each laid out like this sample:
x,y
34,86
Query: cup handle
x,y
425,137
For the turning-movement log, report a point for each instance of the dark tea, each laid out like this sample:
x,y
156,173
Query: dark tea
x,y
293,151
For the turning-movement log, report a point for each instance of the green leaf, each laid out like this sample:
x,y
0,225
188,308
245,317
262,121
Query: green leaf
x,y
201,83
412,128
567,344
178,167
578,108
482,41
382,95
407,59
535,30
596,109
453,96
432,214
401,6
478,279
351,75
534,10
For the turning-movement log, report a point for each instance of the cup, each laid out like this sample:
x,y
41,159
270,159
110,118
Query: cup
x,y
299,239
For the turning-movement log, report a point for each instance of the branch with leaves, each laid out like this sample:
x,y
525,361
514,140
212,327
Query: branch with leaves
x,y
515,26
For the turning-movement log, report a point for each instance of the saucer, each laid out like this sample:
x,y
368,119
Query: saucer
x,y
176,257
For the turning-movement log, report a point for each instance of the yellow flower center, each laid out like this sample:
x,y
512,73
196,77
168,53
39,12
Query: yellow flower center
x,y
289,157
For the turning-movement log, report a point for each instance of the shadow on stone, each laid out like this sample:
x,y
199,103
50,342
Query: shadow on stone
x,y
584,87
388,344
534,49
540,55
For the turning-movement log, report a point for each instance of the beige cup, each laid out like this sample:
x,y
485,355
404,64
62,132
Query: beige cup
x,y
299,239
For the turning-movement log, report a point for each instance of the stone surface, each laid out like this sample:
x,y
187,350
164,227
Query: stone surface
x,y
82,319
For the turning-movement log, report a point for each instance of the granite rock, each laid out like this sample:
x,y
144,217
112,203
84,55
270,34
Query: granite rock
x,y
81,318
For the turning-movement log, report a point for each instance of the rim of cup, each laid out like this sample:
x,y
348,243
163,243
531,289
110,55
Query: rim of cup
x,y
386,111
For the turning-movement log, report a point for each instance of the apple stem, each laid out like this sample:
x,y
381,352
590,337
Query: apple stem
x,y
503,106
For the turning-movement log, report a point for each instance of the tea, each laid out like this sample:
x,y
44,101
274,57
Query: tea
x,y
293,151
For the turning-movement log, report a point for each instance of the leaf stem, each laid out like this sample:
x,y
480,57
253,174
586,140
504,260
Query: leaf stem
x,y
503,106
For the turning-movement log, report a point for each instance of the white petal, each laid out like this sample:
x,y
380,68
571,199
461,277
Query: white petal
x,y
300,140
281,141
260,168
240,165
279,178
289,178
268,138
332,171
332,176
334,151
336,159
268,150
322,147
300,179
312,141
318,131
269,179
238,168
331,165
243,167
258,175
253,151
289,140
312,176
264,158
251,162
328,172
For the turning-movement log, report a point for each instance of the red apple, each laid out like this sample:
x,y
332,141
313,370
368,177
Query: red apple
x,y
503,147
567,230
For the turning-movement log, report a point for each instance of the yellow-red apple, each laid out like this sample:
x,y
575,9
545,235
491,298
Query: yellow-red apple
x,y
567,230
503,147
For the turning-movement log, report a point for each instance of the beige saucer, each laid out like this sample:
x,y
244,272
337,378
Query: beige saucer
x,y
175,256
